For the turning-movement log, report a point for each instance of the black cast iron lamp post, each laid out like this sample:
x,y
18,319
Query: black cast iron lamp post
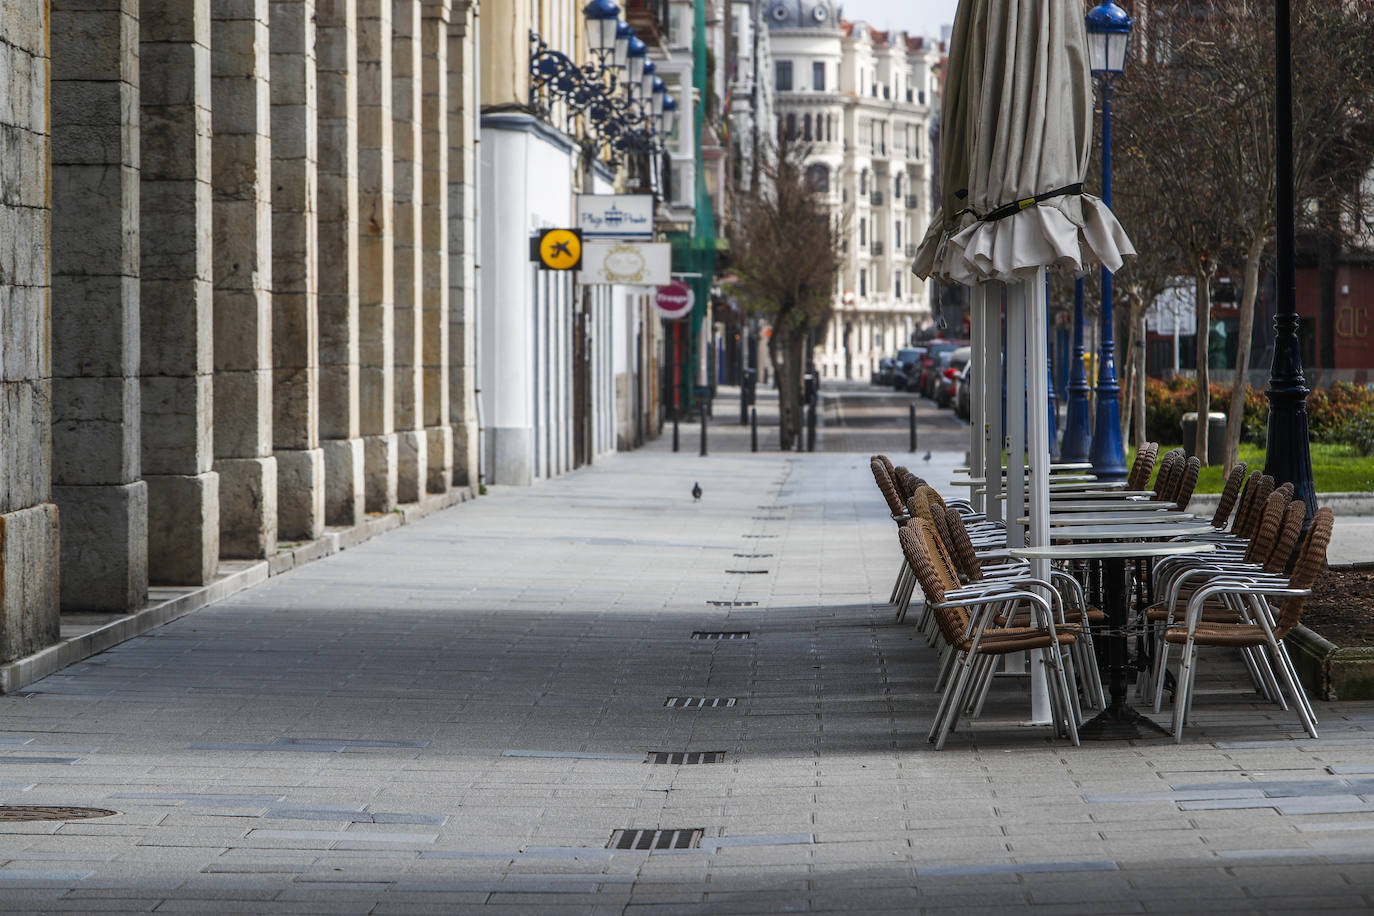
x,y
1288,457
1109,34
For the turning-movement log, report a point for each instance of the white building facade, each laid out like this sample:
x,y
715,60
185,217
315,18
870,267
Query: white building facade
x,y
861,101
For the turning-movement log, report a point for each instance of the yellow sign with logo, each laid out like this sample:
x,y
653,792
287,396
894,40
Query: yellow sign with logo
x,y
557,249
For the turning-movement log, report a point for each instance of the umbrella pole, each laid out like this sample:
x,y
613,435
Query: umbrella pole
x,y
977,430
992,398
1028,416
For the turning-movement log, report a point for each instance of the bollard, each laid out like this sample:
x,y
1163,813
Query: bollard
x,y
811,427
913,448
911,417
753,430
703,432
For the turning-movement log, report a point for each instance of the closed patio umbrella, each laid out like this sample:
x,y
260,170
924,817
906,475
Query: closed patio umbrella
x,y
1016,134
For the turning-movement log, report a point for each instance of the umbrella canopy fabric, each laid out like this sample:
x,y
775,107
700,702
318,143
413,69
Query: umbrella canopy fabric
x,y
1016,134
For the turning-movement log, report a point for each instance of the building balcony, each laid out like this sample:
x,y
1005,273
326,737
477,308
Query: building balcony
x,y
876,249
911,251
876,198
911,201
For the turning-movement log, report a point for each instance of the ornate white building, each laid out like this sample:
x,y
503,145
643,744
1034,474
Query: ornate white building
x,y
862,100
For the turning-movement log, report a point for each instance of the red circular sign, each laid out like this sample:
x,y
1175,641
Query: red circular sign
x,y
674,300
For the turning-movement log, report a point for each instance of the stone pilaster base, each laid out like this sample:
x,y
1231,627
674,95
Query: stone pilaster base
x,y
247,507
29,617
104,533
379,472
440,458
412,468
300,493
512,456
343,481
465,453
183,528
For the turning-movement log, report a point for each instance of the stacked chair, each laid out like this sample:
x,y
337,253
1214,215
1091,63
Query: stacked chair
x,y
980,605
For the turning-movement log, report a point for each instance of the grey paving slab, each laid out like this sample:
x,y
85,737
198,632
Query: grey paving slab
x,y
457,716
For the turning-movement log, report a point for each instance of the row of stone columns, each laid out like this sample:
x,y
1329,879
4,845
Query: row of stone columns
x,y
260,280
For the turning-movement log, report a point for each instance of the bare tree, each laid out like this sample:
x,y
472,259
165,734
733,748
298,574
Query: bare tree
x,y
1198,111
785,257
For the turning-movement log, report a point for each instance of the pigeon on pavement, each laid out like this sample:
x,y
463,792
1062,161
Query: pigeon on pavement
x,y
926,456
696,491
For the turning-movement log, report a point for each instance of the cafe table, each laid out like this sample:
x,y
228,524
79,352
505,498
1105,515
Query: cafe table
x,y
1055,466
1054,479
1142,506
1064,519
1119,720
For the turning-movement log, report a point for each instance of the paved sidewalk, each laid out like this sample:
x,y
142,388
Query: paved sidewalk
x,y
458,715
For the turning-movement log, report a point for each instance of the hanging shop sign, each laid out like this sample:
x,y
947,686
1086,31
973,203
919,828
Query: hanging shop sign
x,y
627,263
557,249
674,300
616,216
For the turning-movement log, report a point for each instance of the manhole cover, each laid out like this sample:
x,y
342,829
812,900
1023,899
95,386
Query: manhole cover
x,y
699,702
51,813
655,839
685,758
732,603
723,634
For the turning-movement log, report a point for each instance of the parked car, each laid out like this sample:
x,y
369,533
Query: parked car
x,y
925,380
887,368
961,391
946,380
906,367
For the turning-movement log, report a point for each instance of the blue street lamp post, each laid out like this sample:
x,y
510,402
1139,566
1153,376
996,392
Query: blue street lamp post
x,y
1078,429
1109,32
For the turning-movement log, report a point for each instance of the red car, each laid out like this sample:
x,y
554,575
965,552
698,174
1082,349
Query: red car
x,y
930,364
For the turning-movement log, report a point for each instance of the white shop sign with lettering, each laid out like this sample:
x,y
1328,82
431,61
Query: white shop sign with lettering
x,y
616,216
627,263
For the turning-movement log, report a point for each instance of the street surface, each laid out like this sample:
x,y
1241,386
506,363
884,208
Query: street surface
x,y
458,715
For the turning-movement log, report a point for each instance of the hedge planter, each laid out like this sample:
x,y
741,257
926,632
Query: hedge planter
x,y
1328,671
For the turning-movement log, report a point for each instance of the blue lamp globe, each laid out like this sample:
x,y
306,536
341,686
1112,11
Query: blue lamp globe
x,y
1109,35
602,16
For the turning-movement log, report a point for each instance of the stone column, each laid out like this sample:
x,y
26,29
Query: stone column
x,y
376,257
295,327
177,309
337,91
241,161
95,320
406,127
462,240
434,228
28,520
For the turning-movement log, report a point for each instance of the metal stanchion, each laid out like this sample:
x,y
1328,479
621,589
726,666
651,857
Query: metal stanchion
x,y
703,431
753,430
675,432
811,427
911,420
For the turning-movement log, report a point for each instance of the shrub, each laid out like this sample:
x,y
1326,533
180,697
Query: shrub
x,y
1343,413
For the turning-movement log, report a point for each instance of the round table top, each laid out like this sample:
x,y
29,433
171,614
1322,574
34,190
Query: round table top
x,y
1114,518
1054,479
1149,531
1110,551
1055,466
1123,506
1103,492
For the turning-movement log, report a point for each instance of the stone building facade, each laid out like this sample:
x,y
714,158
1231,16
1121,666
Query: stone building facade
x,y
862,100
237,280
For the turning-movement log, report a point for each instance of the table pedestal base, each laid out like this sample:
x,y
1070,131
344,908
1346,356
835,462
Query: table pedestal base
x,y
1119,722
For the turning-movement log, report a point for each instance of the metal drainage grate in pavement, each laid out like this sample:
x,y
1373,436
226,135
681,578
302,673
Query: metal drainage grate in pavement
x,y
655,839
758,536
699,702
721,634
747,572
772,508
51,813
733,603
685,758
769,518
753,556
